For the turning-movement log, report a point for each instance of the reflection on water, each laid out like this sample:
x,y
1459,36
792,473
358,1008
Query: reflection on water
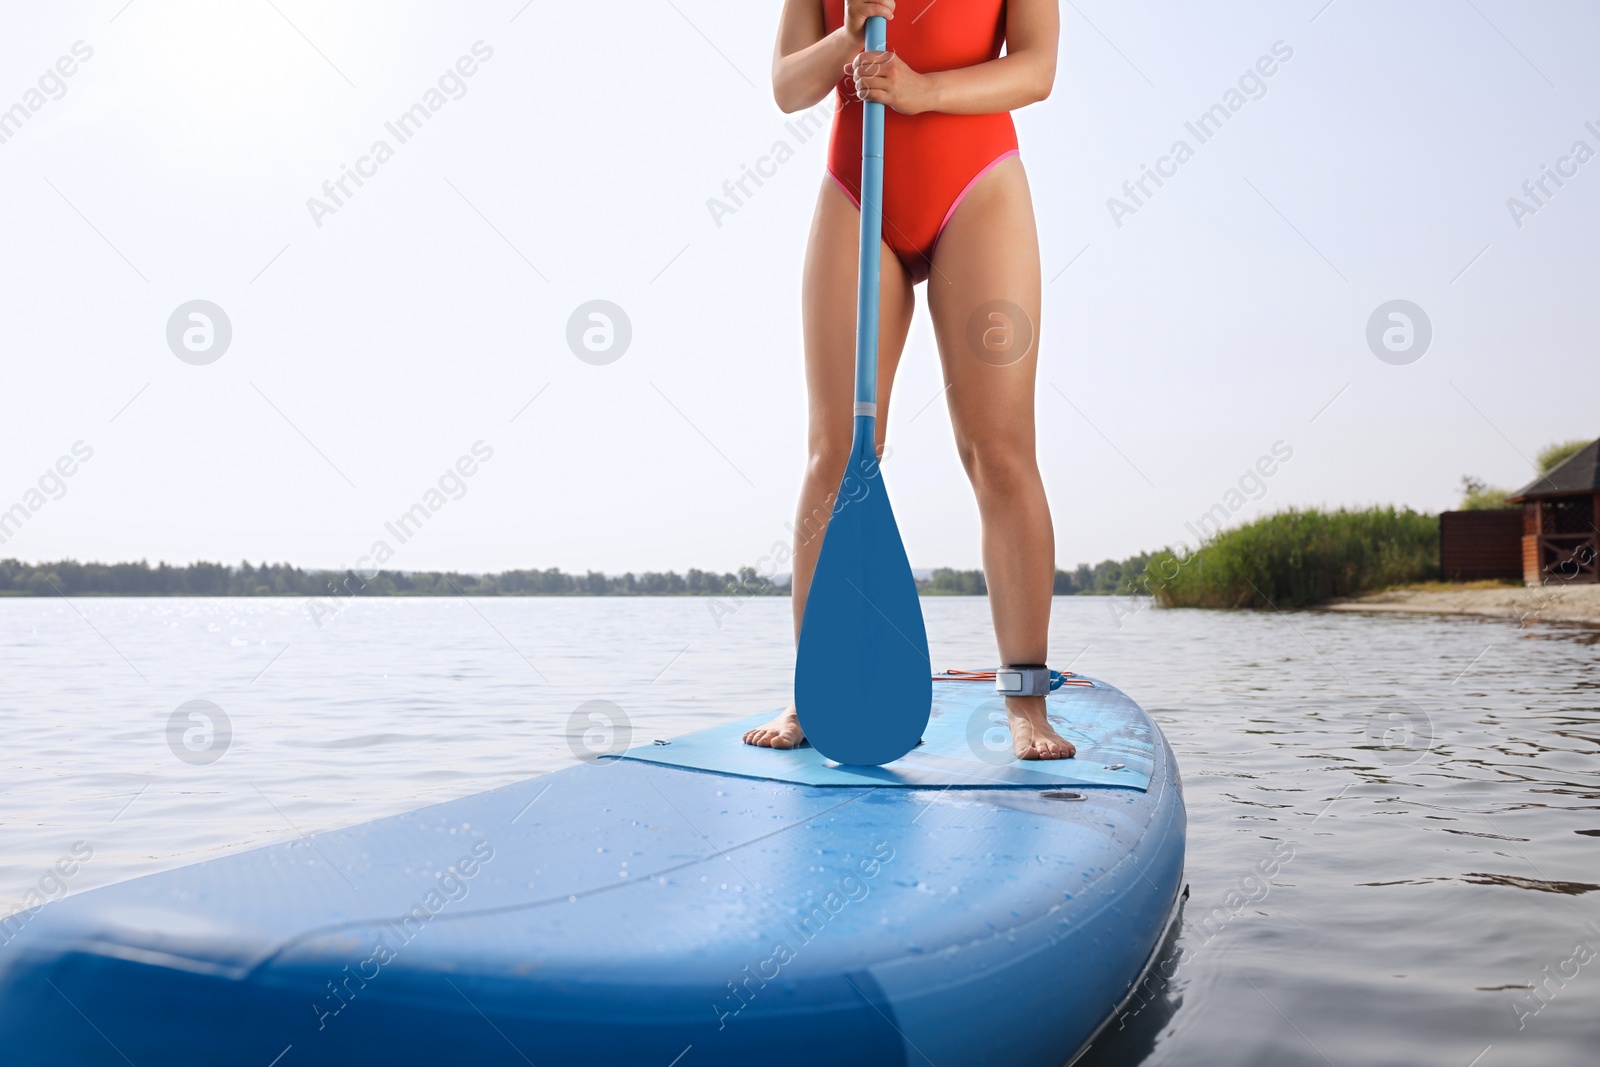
x,y
1393,819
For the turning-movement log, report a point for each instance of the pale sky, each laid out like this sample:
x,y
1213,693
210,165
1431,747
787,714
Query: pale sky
x,y
1226,314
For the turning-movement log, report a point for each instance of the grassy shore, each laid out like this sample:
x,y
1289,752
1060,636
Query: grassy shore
x,y
1452,587
1298,558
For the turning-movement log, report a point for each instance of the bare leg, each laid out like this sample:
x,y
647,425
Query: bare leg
x,y
829,320
986,270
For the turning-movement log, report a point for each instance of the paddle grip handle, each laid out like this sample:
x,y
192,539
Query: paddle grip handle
x,y
871,242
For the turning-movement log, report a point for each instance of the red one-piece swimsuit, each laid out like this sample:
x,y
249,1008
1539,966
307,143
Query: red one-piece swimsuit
x,y
930,160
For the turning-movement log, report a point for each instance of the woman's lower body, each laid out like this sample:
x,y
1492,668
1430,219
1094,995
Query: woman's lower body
x,y
985,263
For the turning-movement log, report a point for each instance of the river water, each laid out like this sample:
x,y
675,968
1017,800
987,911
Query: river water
x,y
1394,821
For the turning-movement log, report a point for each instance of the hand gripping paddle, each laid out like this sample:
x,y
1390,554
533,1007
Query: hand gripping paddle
x,y
862,682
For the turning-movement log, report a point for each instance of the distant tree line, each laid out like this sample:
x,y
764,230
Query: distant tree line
x,y
71,578
1107,578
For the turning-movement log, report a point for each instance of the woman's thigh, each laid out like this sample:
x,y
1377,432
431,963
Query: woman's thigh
x,y
984,294
829,320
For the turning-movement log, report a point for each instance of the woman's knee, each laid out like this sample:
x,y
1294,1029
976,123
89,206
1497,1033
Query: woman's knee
x,y
825,464
826,457
828,453
1000,467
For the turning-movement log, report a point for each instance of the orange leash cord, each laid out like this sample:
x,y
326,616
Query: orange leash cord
x,y
955,674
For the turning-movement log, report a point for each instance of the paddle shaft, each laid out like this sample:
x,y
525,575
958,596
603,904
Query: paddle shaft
x,y
871,248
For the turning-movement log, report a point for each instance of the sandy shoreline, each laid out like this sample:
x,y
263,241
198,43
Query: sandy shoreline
x,y
1550,603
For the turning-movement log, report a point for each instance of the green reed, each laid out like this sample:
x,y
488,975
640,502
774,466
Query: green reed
x,y
1297,558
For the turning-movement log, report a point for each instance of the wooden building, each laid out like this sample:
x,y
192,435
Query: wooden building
x,y
1481,544
1561,521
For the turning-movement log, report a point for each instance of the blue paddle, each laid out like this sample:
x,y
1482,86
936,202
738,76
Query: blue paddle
x,y
863,685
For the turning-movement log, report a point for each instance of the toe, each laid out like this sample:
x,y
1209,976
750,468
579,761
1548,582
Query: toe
x,y
775,735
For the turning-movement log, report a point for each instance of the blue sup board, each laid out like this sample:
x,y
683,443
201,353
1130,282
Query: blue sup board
x,y
682,904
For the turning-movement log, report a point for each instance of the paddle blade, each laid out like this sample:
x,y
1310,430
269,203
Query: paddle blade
x,y
863,685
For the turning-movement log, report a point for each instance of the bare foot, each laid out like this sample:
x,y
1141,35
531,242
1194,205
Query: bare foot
x,y
1032,736
782,732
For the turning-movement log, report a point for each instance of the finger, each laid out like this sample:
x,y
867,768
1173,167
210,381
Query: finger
x,y
871,66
